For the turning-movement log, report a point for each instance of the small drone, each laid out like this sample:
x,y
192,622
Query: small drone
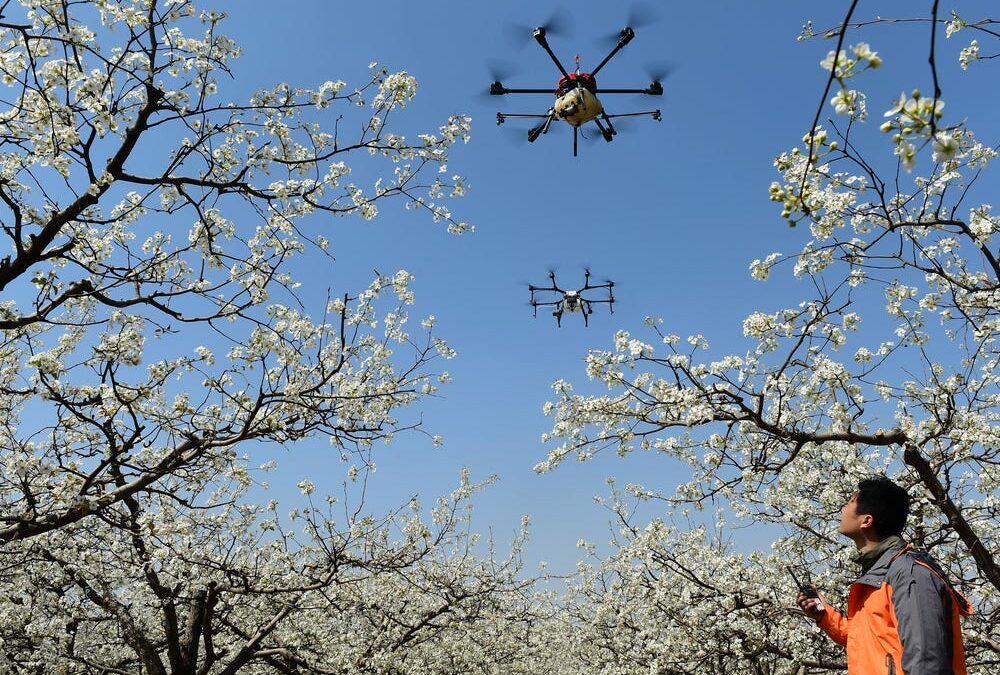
x,y
572,301
576,95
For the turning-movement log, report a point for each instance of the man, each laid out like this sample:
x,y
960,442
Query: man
x,y
902,613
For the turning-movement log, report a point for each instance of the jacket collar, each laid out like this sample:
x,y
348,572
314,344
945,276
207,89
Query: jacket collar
x,y
877,572
868,559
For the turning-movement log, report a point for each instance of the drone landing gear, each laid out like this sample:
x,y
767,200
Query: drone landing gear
x,y
542,128
608,132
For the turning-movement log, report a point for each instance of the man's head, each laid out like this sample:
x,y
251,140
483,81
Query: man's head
x,y
877,510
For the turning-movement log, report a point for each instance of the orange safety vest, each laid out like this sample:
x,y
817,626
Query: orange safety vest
x,y
870,630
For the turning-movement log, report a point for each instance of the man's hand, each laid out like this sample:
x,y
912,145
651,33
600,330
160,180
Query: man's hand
x,y
813,607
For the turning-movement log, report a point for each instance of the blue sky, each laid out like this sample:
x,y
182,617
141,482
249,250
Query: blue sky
x,y
672,211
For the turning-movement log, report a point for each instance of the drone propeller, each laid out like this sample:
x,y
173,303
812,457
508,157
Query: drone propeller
x,y
659,71
656,72
499,72
559,23
640,15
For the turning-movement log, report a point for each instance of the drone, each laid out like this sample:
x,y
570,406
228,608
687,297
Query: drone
x,y
572,301
576,95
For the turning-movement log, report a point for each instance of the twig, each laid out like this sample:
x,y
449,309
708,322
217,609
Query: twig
x,y
822,102
930,59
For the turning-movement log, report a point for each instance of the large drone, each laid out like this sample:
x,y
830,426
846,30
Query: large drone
x,y
571,301
576,95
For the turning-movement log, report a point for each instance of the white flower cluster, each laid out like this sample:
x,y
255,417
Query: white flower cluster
x,y
843,67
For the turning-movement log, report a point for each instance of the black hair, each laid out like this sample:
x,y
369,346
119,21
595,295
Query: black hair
x,y
887,504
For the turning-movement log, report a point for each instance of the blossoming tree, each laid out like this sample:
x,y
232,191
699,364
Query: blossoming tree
x,y
890,364
110,134
154,331
191,579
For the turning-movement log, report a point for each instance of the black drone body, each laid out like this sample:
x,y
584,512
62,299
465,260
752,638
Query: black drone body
x,y
572,301
576,93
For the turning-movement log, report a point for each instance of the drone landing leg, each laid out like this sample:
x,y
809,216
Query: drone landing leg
x,y
576,131
607,133
542,128
607,120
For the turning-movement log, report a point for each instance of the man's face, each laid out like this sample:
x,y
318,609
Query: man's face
x,y
852,523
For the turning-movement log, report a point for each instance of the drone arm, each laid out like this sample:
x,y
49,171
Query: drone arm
x,y
654,89
503,116
540,39
502,90
623,39
534,132
655,114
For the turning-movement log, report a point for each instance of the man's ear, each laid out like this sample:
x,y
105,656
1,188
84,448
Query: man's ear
x,y
867,522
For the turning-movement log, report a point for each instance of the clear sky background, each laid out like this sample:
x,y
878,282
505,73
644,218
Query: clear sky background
x,y
672,211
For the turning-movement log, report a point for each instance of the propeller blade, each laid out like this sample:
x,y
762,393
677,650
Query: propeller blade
x,y
640,15
658,71
500,71
559,24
